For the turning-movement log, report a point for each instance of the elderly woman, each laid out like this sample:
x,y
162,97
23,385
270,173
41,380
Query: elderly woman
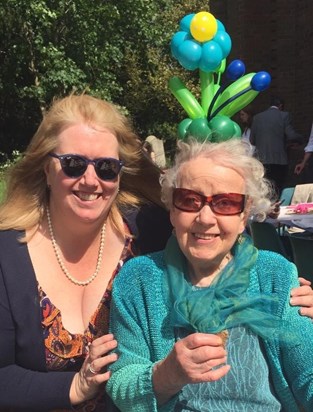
x,y
206,324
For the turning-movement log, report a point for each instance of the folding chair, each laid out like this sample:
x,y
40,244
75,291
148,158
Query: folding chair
x,y
265,236
302,249
286,196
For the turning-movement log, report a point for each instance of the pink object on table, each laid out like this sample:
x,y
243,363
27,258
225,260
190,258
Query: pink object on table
x,y
301,208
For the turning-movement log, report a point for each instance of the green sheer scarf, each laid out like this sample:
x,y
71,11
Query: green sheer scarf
x,y
225,303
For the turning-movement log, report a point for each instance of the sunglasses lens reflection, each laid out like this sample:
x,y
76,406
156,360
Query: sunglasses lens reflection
x,y
75,166
107,169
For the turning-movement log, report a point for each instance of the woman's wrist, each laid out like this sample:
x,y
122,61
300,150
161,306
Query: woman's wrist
x,y
77,393
74,397
164,387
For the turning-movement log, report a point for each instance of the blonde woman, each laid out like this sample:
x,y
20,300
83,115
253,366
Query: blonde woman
x,y
73,214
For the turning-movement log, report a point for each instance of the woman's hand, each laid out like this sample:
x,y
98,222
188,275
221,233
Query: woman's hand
x,y
303,296
93,373
299,167
191,361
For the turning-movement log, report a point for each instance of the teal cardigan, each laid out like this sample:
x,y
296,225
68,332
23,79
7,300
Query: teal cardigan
x,y
139,322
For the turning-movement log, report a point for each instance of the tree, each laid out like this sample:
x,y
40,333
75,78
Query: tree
x,y
48,49
117,50
148,65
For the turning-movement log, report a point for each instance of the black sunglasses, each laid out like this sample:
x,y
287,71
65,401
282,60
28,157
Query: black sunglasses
x,y
222,204
75,166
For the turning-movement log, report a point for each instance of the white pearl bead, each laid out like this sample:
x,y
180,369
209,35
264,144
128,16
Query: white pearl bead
x,y
61,264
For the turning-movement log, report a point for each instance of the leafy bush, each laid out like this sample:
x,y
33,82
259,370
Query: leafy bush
x,y
7,161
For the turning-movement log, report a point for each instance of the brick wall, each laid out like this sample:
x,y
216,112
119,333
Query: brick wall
x,y
276,36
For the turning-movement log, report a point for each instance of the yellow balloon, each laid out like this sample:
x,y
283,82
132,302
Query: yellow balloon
x,y
203,26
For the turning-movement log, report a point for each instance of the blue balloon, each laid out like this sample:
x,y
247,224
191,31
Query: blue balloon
x,y
190,51
260,81
185,22
177,40
187,64
212,55
235,70
220,26
224,40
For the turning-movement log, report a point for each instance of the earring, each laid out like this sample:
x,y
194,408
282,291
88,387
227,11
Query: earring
x,y
240,239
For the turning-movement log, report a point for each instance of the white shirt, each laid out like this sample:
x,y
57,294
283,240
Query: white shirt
x,y
309,146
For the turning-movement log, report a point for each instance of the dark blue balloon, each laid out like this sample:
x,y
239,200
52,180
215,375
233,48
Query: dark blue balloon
x,y
260,81
235,69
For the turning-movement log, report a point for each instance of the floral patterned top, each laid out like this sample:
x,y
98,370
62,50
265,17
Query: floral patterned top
x,y
66,351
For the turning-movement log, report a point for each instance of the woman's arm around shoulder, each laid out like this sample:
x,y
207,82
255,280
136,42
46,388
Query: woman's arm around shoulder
x,y
295,360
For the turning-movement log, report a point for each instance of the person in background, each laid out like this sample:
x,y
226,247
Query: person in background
x,y
246,116
158,149
271,132
147,147
307,155
81,201
206,324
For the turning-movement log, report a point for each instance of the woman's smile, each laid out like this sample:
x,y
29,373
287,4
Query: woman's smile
x,y
205,236
87,197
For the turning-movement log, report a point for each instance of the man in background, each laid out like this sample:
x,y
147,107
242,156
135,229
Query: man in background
x,y
271,132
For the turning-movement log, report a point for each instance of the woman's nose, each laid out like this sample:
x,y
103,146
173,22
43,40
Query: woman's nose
x,y
90,176
206,215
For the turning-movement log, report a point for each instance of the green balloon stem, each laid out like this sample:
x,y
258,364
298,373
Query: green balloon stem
x,y
219,76
207,89
218,93
231,99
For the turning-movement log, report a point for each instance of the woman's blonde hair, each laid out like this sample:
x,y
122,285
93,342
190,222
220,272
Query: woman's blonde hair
x,y
233,154
27,194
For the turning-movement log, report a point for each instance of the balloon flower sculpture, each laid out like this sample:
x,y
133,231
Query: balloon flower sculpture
x,y
202,43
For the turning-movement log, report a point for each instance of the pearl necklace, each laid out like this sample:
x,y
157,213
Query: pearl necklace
x,y
60,261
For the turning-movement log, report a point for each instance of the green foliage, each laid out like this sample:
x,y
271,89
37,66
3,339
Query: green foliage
x,y
116,50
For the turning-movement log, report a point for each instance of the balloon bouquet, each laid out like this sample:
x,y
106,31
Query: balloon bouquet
x,y
202,43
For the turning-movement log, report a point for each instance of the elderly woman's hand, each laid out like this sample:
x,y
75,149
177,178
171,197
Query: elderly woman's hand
x,y
191,361
93,373
303,296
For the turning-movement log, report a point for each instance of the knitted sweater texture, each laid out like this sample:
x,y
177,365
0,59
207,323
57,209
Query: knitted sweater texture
x,y
140,323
